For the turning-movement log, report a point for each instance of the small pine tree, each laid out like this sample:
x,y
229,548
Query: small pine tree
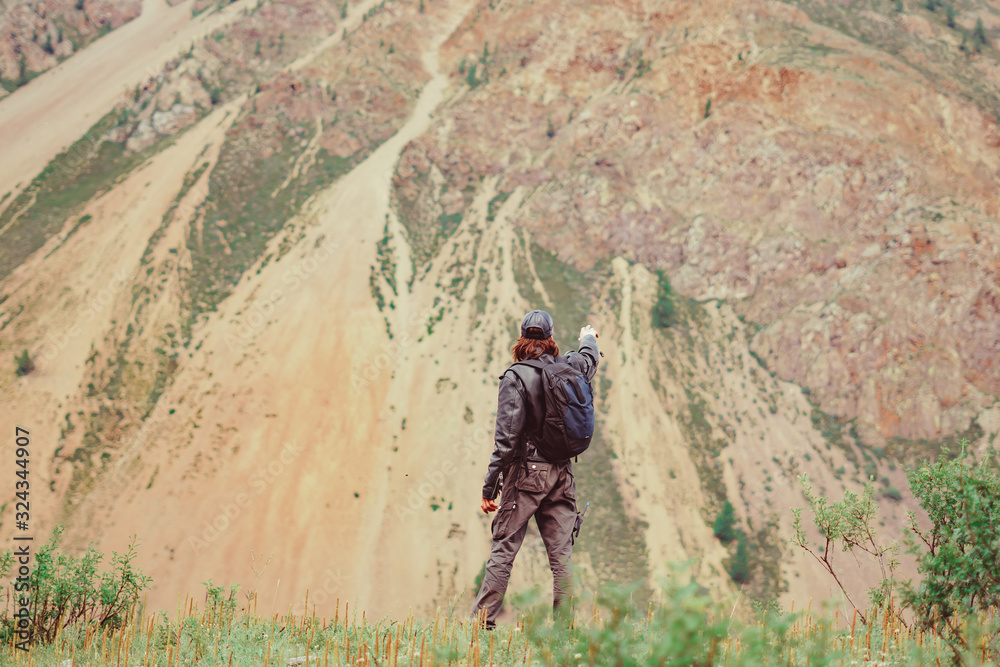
x,y
470,78
22,70
25,364
343,10
708,108
724,523
663,311
899,6
949,13
421,8
931,5
979,34
739,567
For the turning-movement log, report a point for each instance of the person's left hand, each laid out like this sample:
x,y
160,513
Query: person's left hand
x,y
488,505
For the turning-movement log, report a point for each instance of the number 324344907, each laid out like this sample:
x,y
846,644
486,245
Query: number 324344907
x,y
22,485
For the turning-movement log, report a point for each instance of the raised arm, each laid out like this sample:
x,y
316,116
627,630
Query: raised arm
x,y
586,358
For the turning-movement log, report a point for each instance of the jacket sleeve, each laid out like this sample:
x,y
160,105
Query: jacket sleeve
x,y
511,415
585,359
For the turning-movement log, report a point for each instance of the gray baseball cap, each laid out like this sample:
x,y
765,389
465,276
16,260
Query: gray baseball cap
x,y
537,319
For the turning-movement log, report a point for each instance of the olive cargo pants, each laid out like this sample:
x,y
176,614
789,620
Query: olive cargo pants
x,y
546,491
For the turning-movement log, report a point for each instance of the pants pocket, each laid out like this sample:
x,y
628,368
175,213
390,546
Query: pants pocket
x,y
501,522
535,478
570,490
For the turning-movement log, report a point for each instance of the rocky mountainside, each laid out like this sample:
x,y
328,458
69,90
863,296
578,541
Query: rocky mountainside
x,y
268,295
36,35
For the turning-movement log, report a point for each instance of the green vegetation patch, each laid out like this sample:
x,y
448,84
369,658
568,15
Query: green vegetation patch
x,y
916,451
569,290
247,204
614,541
705,450
88,168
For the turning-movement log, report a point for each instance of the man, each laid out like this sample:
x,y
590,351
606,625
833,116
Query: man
x,y
532,486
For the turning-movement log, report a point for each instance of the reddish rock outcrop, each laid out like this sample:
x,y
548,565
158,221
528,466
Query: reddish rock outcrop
x,y
36,35
844,197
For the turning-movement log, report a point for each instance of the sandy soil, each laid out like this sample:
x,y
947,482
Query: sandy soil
x,y
54,110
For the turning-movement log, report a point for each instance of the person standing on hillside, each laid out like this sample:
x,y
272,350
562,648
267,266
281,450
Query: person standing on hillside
x,y
533,484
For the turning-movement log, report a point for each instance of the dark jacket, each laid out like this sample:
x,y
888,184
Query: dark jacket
x,y
518,409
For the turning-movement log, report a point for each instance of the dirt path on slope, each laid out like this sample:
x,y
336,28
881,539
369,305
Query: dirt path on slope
x,y
54,110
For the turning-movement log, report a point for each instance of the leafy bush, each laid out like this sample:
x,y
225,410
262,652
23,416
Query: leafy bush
x,y
69,590
688,628
958,555
220,606
850,523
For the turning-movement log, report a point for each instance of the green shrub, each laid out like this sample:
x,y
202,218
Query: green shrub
x,y
958,555
69,590
892,493
688,628
851,524
25,364
738,566
220,606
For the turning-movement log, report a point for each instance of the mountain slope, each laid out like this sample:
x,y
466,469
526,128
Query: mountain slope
x,y
269,312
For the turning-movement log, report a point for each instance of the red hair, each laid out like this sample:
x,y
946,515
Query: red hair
x,y
532,348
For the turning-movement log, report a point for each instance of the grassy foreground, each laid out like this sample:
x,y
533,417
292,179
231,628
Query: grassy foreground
x,y
686,629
